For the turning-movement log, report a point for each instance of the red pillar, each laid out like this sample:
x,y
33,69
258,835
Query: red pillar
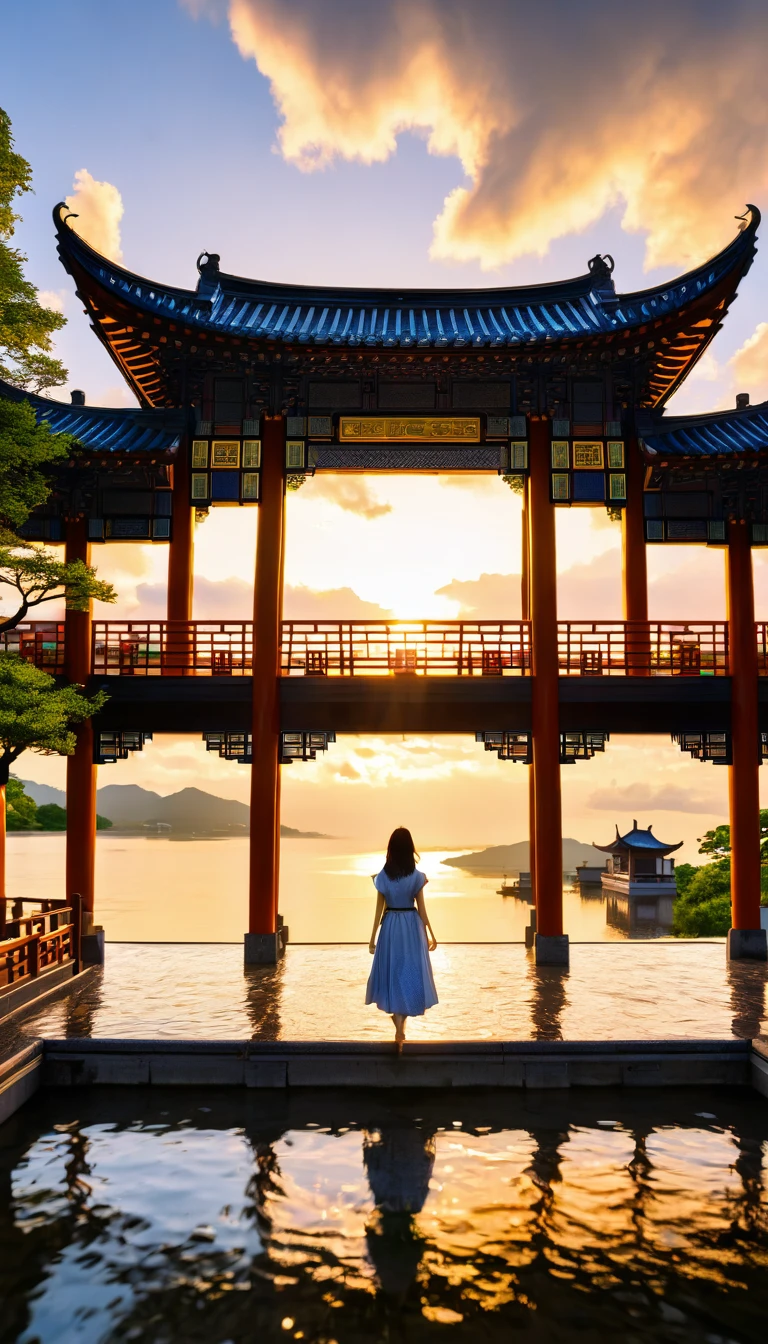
x,y
744,938
634,569
525,583
81,771
261,942
551,943
181,561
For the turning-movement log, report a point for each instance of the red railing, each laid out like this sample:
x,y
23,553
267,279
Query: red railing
x,y
381,648
637,648
169,648
41,642
416,648
38,942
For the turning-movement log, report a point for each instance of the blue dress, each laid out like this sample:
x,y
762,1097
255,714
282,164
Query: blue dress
x,y
401,976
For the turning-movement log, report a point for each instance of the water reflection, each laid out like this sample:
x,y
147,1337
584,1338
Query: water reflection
x,y
398,1162
548,1000
746,982
357,1217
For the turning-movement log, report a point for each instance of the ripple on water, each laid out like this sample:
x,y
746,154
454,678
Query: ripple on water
x,y
611,991
213,1216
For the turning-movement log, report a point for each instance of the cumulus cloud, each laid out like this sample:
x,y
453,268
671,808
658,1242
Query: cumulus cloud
x,y
749,365
556,112
232,600
99,210
646,798
53,299
352,493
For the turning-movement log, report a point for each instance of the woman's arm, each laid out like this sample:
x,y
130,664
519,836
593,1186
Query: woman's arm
x,y
376,920
422,909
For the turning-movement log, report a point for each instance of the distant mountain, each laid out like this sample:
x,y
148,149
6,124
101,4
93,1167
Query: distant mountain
x,y
129,807
514,859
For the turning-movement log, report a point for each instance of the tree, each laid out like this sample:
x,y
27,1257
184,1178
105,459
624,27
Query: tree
x,y
35,715
21,810
703,905
52,817
26,326
34,576
717,842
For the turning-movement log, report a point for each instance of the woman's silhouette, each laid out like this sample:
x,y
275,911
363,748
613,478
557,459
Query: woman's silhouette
x,y
401,980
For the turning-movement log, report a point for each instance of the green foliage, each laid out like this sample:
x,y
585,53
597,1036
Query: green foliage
x,y
28,455
35,576
36,714
684,873
709,919
703,907
20,809
717,843
26,327
51,817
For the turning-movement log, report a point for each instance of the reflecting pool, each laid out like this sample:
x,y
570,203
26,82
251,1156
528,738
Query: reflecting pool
x,y
189,1215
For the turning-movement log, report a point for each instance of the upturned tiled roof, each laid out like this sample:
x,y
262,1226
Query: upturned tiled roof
x,y
728,433
103,428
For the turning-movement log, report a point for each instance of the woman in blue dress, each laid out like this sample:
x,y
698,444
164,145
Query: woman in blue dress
x,y
401,982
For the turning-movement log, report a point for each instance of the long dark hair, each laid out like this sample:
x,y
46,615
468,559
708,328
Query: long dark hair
x,y
401,855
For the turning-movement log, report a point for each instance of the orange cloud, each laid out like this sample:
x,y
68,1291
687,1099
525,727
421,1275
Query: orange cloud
x,y
749,365
556,112
99,210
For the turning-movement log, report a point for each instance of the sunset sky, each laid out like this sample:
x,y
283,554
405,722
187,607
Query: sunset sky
x,y
406,142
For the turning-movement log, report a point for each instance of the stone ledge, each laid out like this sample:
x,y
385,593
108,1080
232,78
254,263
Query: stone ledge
x,y
276,1064
29,991
20,1077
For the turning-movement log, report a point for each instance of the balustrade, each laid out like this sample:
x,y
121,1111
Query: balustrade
x,y
392,648
37,942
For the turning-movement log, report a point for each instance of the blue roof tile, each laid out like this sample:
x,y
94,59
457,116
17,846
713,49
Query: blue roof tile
x,y
228,304
726,433
105,429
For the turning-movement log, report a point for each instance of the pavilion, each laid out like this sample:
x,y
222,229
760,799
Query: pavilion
x,y
246,387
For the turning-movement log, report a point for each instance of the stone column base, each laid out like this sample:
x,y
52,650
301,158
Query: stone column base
x,y
263,949
551,949
92,946
743,943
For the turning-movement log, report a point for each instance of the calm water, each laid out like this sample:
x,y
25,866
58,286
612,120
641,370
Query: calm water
x,y
624,991
138,1215
196,890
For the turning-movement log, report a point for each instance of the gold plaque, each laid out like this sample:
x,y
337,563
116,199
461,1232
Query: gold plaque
x,y
200,488
409,428
561,485
560,454
518,454
225,453
251,453
616,453
587,454
250,485
618,485
199,452
294,454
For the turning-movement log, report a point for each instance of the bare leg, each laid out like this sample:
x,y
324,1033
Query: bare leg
x,y
399,1021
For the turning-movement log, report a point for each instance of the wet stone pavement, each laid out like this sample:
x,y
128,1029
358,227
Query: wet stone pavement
x,y
612,991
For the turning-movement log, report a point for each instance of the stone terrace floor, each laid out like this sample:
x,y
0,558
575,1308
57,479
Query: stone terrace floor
x,y
613,991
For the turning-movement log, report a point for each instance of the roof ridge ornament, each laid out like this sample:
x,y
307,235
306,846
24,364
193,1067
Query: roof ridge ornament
x,y
208,286
601,270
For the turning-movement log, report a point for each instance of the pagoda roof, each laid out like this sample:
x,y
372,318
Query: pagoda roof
x,y
105,429
720,433
225,307
639,841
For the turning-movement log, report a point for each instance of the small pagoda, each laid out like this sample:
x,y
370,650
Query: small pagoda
x,y
639,879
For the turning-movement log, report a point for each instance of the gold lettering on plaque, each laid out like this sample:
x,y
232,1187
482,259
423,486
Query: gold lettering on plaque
x,y
409,429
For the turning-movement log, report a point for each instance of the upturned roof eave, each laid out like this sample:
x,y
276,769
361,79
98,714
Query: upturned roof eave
x,y
124,425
